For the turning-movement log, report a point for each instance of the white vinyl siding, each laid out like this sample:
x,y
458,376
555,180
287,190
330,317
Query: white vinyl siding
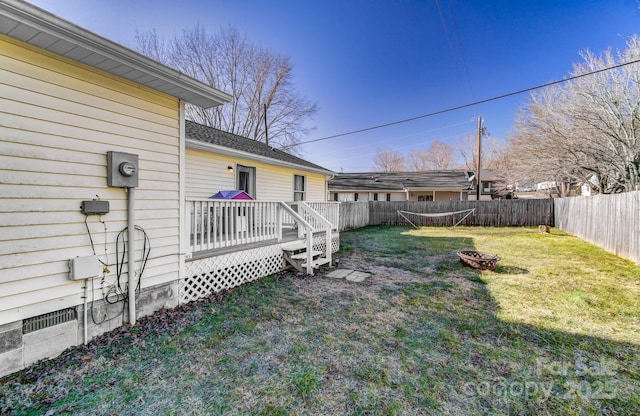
x,y
316,187
59,119
207,173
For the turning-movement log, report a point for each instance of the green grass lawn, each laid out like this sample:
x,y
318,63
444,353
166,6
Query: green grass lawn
x,y
553,330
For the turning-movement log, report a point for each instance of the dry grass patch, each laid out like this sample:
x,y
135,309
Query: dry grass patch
x,y
421,335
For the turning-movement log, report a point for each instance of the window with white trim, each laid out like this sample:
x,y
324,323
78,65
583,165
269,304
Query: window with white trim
x,y
299,187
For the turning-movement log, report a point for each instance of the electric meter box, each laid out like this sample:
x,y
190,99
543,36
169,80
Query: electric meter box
x,y
122,170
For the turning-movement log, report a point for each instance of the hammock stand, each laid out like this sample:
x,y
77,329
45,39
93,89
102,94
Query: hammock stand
x,y
437,214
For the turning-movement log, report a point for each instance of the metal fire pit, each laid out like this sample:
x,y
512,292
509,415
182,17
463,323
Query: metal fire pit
x,y
478,259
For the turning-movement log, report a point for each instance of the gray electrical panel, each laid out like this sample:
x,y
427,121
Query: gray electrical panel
x,y
122,170
94,207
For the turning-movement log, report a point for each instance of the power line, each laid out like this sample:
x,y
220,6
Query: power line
x,y
446,34
464,61
459,107
472,120
397,148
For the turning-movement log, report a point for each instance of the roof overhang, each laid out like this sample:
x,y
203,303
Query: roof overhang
x,y
222,150
425,190
373,191
37,27
443,189
335,189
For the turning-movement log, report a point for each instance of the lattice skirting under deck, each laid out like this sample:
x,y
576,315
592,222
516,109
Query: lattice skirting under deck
x,y
216,273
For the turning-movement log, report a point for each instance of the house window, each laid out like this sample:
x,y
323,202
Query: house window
x,y
298,187
246,179
335,196
355,196
375,196
388,197
424,198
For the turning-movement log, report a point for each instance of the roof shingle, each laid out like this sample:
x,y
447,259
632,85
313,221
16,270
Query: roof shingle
x,y
399,181
211,135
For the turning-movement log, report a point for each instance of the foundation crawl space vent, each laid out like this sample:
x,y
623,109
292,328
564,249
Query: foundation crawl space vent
x,y
48,319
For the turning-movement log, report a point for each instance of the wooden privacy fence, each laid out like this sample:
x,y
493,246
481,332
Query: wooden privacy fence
x,y
353,215
609,221
505,212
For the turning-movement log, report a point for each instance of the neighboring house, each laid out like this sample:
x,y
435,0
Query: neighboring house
x,y
494,185
95,151
401,186
561,189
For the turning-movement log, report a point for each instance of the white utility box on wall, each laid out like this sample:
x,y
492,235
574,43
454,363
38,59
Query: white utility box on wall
x,y
81,268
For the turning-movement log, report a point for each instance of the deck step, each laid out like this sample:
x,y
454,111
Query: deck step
x,y
295,254
294,246
303,256
317,263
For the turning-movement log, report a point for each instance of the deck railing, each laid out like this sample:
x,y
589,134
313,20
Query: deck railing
x,y
328,211
215,224
319,222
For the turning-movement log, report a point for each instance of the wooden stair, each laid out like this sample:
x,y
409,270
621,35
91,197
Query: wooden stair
x,y
295,254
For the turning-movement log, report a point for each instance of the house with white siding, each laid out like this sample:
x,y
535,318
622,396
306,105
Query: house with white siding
x,y
224,237
218,160
104,186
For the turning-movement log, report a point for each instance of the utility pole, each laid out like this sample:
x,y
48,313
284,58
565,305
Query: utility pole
x,y
266,132
479,163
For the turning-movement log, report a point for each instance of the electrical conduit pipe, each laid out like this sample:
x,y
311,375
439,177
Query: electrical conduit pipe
x,y
131,259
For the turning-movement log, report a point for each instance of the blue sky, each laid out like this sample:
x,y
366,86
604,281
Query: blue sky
x,y
367,63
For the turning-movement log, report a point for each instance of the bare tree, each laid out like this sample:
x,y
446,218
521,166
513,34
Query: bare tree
x,y
388,160
586,130
494,152
542,141
440,156
418,161
258,79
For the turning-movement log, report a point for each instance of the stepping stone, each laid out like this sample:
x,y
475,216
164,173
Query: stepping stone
x,y
339,273
357,276
350,275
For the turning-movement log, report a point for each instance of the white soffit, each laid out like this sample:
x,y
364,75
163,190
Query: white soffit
x,y
37,27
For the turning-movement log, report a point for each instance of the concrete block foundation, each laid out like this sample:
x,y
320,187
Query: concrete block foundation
x,y
19,350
